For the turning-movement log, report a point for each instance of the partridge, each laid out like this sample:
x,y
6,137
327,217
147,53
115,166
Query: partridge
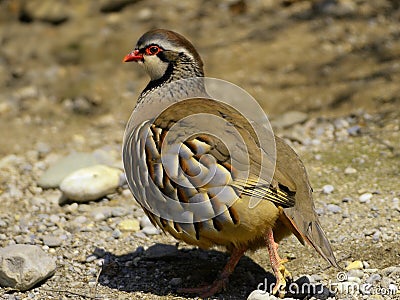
x,y
167,186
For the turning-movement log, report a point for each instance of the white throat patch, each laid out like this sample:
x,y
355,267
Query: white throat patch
x,y
154,66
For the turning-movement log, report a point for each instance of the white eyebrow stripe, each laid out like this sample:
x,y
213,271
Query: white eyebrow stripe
x,y
168,46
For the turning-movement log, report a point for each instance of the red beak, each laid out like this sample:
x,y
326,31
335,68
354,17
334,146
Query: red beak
x,y
133,56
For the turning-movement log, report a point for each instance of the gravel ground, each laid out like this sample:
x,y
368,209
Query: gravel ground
x,y
335,67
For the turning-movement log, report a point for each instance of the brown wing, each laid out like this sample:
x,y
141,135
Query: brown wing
x,y
245,169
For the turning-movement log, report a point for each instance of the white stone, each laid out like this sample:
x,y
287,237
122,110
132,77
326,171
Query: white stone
x,y
91,183
59,170
327,189
260,295
365,197
23,266
350,170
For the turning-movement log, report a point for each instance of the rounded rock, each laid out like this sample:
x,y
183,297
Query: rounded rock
x,y
365,197
91,183
116,234
327,189
54,175
334,208
52,241
350,170
23,266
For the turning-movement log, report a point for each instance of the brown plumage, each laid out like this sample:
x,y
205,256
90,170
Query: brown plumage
x,y
286,207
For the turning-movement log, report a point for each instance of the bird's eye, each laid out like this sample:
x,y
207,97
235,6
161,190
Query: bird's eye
x,y
152,50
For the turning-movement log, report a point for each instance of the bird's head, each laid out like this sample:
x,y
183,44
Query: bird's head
x,y
166,56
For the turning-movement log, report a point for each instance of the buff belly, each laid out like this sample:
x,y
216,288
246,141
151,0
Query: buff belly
x,y
245,226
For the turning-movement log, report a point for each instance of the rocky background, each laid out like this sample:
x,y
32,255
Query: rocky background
x,y
327,74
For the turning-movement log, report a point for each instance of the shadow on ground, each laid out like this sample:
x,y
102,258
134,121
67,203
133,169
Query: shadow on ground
x,y
163,269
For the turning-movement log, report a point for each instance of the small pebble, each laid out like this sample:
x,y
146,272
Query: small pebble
x,y
72,207
161,250
119,211
260,295
370,270
347,199
365,197
358,265
91,258
316,278
145,221
355,273
92,283
52,241
139,251
391,270
350,170
80,220
99,252
327,189
3,223
175,281
354,130
140,235
373,278
129,225
102,213
376,236
54,219
334,208
151,230
116,234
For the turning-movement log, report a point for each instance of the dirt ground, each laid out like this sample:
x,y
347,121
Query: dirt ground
x,y
63,88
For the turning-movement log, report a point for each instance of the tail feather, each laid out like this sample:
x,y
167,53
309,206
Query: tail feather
x,y
313,234
317,238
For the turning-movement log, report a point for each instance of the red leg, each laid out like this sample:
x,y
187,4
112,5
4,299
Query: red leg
x,y
280,272
221,281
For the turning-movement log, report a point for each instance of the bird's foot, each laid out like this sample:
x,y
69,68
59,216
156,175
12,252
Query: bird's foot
x,y
283,278
281,274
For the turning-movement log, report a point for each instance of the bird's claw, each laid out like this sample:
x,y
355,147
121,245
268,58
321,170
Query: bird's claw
x,y
283,277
